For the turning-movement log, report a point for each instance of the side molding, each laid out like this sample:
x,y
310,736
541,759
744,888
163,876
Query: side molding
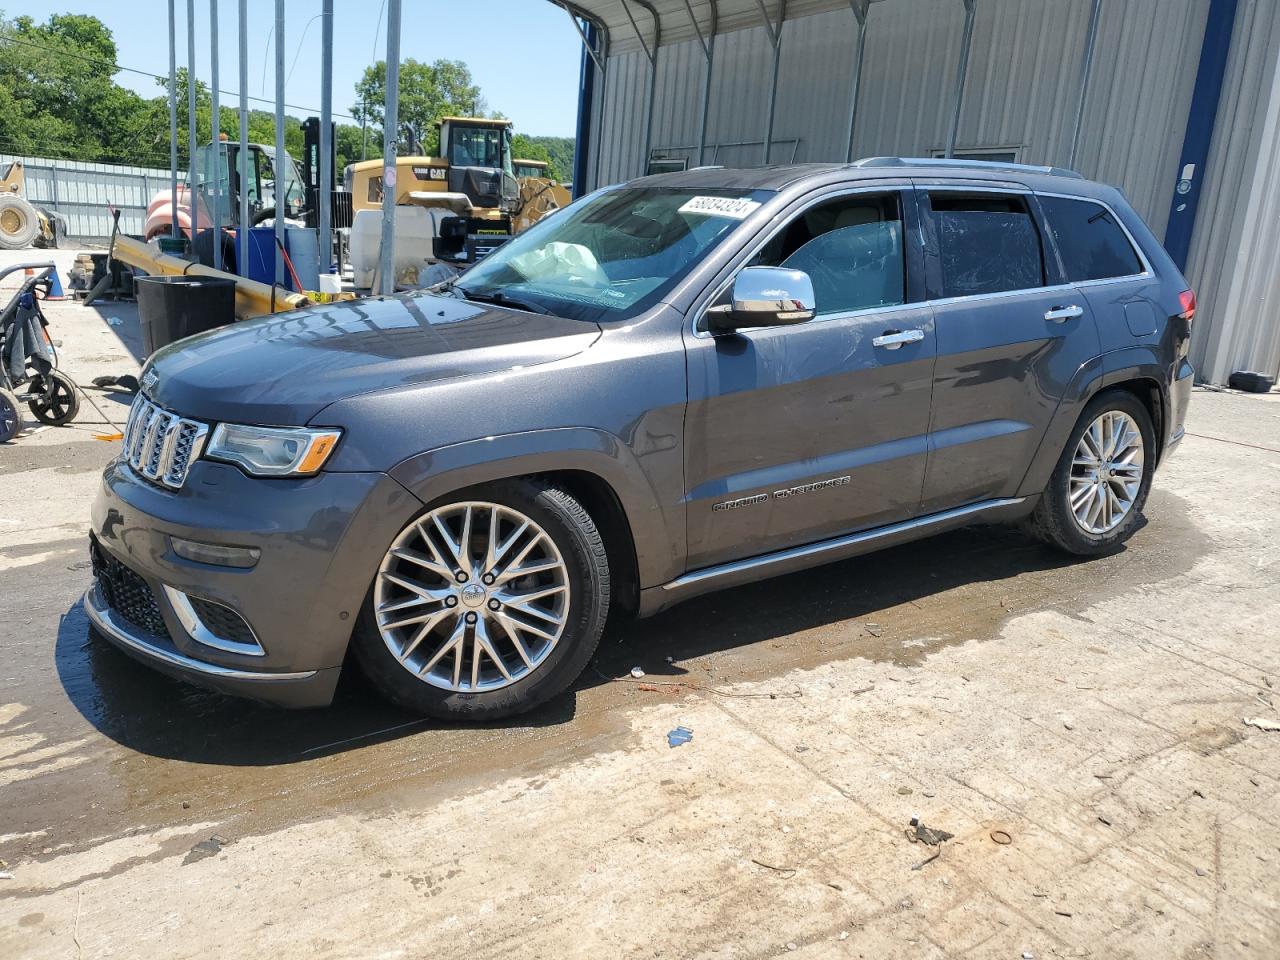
x,y
793,559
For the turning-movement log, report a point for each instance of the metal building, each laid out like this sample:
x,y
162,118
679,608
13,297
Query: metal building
x,y
1175,101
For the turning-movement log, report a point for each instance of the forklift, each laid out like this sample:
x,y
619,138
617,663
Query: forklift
x,y
473,183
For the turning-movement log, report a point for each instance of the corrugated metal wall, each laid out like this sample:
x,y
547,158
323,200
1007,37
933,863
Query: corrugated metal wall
x,y
81,192
1235,251
1022,92
1023,87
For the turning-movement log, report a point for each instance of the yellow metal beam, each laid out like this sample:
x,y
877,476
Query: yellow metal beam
x,y
253,299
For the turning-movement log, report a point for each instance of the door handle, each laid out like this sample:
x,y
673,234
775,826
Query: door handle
x,y
894,339
1063,314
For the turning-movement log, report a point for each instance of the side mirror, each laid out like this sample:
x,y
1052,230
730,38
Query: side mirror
x,y
764,297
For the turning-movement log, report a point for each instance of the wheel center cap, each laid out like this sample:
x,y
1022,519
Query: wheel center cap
x,y
473,595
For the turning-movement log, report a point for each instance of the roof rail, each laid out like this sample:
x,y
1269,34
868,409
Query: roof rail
x,y
966,164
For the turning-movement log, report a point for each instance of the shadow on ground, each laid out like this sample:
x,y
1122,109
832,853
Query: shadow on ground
x,y
949,589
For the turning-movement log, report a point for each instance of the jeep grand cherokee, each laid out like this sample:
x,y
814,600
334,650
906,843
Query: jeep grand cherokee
x,y
679,384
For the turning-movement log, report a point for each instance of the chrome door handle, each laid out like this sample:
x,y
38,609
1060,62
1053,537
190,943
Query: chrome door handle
x,y
894,339
1063,314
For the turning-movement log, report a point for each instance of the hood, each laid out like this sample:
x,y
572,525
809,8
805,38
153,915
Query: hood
x,y
284,369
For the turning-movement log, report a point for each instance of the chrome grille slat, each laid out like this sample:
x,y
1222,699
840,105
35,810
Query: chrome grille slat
x,y
160,445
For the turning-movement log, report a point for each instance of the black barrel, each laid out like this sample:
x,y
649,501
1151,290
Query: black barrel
x,y
171,308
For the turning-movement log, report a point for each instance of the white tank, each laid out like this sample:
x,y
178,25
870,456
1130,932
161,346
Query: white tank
x,y
415,229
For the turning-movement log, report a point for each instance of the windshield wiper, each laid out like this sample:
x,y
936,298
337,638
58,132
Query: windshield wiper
x,y
498,298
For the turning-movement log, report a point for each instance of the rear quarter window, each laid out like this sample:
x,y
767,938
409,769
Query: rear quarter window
x,y
987,243
1092,245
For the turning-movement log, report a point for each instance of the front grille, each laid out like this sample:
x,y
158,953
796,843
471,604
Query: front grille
x,y
125,592
160,445
222,621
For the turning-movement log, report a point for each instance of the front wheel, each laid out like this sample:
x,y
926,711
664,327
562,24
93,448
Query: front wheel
x,y
486,605
1098,489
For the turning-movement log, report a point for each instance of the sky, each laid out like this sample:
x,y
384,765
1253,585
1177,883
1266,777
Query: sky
x,y
524,54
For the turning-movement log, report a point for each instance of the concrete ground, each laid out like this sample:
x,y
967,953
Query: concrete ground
x,y
1079,727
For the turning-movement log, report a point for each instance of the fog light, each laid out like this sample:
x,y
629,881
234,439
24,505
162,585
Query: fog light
x,y
216,554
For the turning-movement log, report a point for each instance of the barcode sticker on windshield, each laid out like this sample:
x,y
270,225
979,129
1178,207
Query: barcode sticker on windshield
x,y
731,207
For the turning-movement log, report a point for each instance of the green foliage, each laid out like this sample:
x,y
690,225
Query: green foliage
x,y
557,151
428,91
58,99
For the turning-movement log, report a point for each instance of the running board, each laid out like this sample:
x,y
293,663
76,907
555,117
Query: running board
x,y
792,559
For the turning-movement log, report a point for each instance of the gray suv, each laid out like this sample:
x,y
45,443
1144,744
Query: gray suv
x,y
687,382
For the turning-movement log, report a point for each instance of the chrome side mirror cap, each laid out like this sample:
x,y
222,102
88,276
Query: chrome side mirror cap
x,y
764,297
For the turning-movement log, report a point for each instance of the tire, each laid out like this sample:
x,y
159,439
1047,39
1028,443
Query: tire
x,y
62,407
1057,522
431,649
19,223
10,418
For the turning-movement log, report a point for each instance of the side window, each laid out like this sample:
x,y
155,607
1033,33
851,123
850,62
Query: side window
x,y
1093,246
851,249
988,243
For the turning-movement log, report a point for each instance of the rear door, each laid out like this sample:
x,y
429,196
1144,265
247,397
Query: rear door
x,y
796,434
1010,337
1101,259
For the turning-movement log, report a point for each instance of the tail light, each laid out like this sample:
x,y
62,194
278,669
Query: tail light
x,y
1187,300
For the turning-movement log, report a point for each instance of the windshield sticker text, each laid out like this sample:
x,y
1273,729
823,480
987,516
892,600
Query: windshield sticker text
x,y
730,207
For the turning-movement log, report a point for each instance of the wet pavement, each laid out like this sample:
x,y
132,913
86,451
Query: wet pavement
x,y
117,783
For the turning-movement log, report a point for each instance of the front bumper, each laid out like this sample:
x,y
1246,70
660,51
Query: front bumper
x,y
321,539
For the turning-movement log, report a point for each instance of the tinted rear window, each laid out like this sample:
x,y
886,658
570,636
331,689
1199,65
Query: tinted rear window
x,y
988,244
1093,246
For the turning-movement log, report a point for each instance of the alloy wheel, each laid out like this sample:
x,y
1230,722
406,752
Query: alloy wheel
x,y
472,597
1106,472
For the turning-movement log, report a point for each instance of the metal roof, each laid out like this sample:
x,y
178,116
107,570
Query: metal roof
x,y
672,21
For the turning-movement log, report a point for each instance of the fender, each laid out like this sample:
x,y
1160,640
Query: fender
x,y
657,528
1137,362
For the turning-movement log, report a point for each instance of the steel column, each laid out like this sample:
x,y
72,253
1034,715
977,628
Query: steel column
x,y
176,230
965,43
708,45
279,166
775,37
390,128
242,155
651,54
860,10
215,130
326,135
597,36
1086,70
191,126
1202,119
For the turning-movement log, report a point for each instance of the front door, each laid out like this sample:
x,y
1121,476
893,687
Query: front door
x,y
800,433
1010,335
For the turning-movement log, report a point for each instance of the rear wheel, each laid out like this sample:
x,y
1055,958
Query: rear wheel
x,y
10,419
57,403
486,605
1098,489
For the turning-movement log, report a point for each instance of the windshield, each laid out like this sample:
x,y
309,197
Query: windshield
x,y
612,255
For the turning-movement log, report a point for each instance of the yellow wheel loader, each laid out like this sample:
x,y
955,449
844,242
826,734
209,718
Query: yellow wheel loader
x,y
539,194
22,223
473,188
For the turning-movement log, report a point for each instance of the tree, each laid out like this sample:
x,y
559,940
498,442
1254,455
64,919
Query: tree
x,y
56,86
428,91
525,148
557,151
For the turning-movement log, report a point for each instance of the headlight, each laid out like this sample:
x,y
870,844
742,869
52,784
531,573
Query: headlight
x,y
272,451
